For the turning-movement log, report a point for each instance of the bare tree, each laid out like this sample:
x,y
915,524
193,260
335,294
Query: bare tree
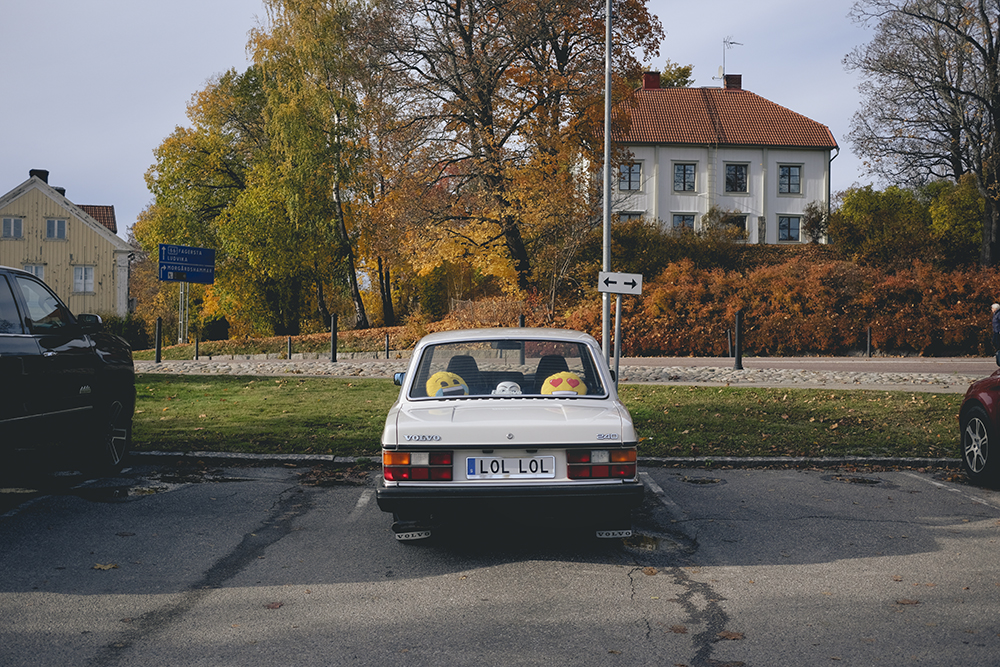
x,y
932,96
504,74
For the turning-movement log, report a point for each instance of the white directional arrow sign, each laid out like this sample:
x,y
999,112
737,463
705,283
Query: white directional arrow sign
x,y
619,283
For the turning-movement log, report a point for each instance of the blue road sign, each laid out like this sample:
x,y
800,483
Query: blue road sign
x,y
179,263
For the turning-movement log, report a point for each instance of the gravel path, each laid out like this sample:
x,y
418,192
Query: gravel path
x,y
631,372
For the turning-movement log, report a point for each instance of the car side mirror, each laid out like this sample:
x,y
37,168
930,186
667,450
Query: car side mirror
x,y
90,323
397,379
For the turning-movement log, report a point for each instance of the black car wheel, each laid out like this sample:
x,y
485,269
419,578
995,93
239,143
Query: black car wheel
x,y
977,436
111,440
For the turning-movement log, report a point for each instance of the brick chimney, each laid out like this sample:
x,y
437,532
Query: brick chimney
x,y
42,174
734,82
651,81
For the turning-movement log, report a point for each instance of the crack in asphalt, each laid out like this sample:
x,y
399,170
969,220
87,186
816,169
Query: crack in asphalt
x,y
673,549
292,503
710,615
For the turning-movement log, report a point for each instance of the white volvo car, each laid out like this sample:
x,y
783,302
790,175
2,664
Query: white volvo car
x,y
516,424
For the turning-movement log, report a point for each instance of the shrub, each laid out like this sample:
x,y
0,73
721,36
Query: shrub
x,y
804,307
131,327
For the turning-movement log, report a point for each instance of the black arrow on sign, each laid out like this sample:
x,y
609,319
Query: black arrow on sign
x,y
632,284
609,281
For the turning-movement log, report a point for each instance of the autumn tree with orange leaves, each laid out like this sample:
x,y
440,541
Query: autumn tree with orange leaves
x,y
514,85
373,143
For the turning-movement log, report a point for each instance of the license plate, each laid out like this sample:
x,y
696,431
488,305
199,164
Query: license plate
x,y
491,467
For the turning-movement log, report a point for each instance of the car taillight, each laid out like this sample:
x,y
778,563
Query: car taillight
x,y
417,466
601,463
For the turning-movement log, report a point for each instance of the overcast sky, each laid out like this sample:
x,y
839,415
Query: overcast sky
x,y
93,86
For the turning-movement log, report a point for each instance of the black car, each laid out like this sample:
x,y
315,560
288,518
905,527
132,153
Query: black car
x,y
65,383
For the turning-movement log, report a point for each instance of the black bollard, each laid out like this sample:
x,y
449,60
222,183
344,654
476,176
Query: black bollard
x,y
159,337
333,338
739,340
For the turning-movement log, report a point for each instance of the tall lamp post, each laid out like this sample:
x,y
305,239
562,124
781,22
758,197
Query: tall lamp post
x,y
605,297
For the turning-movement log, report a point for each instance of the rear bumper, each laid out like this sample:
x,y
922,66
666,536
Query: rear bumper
x,y
583,499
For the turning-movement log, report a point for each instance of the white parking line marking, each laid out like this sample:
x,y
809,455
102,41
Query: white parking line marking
x,y
658,491
359,507
976,499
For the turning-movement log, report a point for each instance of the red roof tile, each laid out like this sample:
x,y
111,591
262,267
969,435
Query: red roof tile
x,y
103,214
717,116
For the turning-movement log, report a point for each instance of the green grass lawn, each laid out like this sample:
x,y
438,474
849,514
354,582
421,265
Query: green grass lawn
x,y
345,417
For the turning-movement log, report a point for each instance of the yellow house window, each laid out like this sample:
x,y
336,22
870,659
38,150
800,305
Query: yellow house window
x,y
83,279
55,229
13,228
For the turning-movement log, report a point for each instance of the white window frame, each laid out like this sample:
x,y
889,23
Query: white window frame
x,y
37,270
673,221
741,226
13,228
627,216
694,176
630,176
55,229
790,193
798,229
746,178
83,278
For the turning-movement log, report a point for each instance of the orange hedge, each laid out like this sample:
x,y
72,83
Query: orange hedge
x,y
806,307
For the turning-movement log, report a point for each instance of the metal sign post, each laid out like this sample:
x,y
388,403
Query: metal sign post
x,y
185,265
182,313
606,241
618,283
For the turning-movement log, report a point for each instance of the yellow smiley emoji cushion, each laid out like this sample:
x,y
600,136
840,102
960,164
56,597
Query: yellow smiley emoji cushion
x,y
564,384
444,383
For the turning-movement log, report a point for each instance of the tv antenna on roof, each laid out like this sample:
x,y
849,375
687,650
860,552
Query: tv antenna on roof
x,y
727,44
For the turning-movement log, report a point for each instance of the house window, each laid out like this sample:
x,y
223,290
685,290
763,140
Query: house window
x,y
55,229
13,228
684,177
630,176
683,221
789,179
739,222
736,177
83,279
37,270
788,228
628,217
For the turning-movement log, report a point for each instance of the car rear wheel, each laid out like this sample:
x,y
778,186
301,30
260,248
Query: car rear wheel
x,y
977,436
112,438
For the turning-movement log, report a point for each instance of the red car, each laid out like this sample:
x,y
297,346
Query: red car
x,y
979,420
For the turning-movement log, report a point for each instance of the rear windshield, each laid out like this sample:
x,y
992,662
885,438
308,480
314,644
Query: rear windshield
x,y
507,368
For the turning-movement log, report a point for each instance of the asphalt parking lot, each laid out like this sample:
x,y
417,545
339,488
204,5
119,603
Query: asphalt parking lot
x,y
190,563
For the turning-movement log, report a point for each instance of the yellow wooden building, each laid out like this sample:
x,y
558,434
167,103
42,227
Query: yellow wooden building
x,y
74,248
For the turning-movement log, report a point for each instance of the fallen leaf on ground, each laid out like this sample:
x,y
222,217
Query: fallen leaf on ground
x,y
726,634
274,605
109,566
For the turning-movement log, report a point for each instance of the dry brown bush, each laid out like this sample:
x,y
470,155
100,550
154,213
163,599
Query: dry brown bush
x,y
803,307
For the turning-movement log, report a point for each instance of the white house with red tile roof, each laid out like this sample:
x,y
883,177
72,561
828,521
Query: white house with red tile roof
x,y
74,248
695,148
